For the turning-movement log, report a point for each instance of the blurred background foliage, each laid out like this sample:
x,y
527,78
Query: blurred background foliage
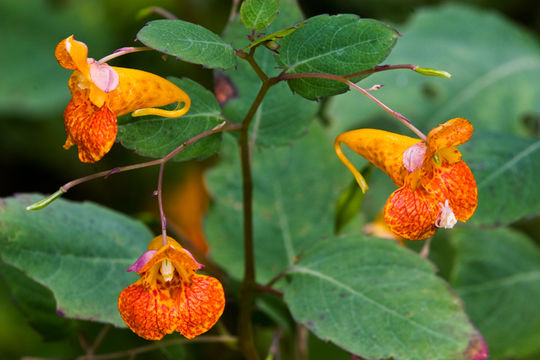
x,y
33,95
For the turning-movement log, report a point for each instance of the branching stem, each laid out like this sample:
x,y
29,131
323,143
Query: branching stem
x,y
345,79
131,353
251,60
123,51
395,114
373,70
162,12
248,284
160,204
104,174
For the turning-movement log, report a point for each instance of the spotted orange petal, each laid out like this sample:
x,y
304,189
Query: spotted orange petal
x,y
72,54
411,214
203,306
147,312
456,182
141,90
454,132
92,129
381,148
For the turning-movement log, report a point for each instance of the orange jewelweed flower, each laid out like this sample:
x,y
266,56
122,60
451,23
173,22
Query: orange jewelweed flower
x,y
170,296
101,92
436,188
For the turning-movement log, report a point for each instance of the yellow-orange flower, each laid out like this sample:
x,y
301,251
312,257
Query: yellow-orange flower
x,y
170,296
436,188
100,93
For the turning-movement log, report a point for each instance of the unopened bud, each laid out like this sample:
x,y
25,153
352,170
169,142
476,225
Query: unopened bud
x,y
44,202
272,45
433,72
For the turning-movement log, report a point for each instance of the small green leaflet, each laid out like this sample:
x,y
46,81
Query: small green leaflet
x,y
258,14
188,42
340,45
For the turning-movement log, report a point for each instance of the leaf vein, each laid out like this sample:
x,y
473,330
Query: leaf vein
x,y
510,164
389,311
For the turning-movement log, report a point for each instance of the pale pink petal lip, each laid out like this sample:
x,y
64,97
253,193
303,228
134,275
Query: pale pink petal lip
x,y
142,260
104,76
413,157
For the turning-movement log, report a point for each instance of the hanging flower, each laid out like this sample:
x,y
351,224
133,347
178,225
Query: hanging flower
x,y
170,296
100,93
436,188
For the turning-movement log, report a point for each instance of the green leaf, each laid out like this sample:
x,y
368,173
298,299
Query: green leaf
x,y
379,300
295,190
188,42
281,117
37,304
33,85
156,136
258,14
506,169
494,92
78,251
340,45
497,273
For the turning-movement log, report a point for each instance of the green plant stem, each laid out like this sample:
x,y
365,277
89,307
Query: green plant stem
x,y
424,252
123,51
345,79
162,12
234,10
160,204
251,60
373,70
131,353
99,339
228,127
395,114
224,126
248,287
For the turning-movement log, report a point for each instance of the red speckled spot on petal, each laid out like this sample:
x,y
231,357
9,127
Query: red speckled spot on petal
x,y
146,313
203,306
71,54
92,129
412,214
457,183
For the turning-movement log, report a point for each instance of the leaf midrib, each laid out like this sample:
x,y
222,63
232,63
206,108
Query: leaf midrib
x,y
304,270
502,71
510,164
